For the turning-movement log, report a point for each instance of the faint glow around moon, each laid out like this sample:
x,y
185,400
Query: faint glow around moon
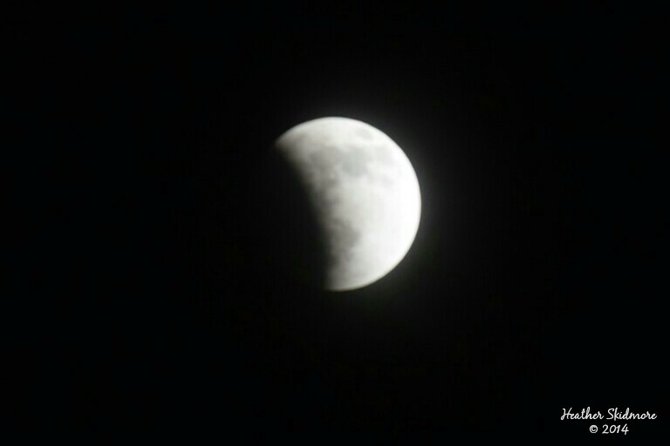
x,y
365,192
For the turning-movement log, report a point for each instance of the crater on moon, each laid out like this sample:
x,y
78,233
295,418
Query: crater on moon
x,y
364,133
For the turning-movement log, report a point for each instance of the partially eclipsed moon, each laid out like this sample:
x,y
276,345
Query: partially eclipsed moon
x,y
365,193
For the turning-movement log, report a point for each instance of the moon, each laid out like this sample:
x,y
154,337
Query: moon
x,y
365,193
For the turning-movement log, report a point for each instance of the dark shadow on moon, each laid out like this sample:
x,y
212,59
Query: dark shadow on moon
x,y
292,241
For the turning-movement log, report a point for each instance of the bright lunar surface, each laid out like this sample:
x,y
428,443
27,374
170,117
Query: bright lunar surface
x,y
365,193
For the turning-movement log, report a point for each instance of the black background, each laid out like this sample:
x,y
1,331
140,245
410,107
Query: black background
x,y
154,271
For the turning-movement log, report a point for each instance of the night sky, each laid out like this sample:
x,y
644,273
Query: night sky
x,y
154,269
